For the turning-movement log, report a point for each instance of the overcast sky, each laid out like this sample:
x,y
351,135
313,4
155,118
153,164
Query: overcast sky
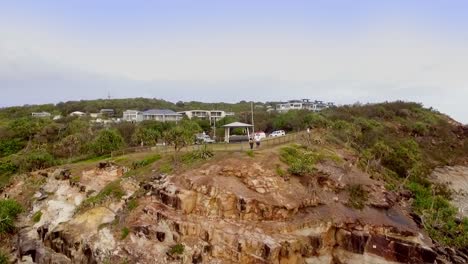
x,y
341,51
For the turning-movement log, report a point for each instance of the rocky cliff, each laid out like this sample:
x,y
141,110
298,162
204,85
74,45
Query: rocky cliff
x,y
233,209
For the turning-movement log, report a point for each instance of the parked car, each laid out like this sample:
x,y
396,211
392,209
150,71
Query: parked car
x,y
203,139
278,133
260,134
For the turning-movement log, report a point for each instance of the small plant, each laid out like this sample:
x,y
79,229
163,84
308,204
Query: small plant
x,y
125,232
37,216
280,171
132,204
9,211
250,153
75,179
357,196
177,249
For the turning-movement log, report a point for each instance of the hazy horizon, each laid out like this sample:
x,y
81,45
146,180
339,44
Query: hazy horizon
x,y
213,51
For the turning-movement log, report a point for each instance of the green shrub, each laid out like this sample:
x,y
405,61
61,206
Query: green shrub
x,y
203,153
250,153
34,160
302,162
358,196
177,249
7,169
125,233
37,216
10,146
439,216
9,211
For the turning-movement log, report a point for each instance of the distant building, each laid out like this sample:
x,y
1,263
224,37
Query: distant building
x,y
107,112
77,113
95,115
212,115
162,115
40,114
132,116
303,104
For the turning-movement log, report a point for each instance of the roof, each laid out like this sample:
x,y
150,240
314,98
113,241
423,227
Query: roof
x,y
160,112
238,124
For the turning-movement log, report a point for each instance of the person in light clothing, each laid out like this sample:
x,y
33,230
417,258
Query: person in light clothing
x,y
257,140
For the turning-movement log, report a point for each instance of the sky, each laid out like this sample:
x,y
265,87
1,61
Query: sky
x,y
263,50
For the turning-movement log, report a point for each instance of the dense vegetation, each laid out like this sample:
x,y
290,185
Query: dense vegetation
x,y
399,143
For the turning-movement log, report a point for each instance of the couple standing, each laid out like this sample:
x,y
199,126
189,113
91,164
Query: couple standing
x,y
255,138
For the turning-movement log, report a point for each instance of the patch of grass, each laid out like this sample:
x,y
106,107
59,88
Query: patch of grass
x,y
166,168
112,190
125,232
145,162
4,258
37,216
132,204
358,196
177,249
9,211
75,179
250,153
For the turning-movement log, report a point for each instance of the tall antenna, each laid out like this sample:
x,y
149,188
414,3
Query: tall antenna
x,y
108,95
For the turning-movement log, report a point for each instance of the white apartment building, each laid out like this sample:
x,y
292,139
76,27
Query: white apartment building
x,y
304,104
132,116
212,115
40,114
162,115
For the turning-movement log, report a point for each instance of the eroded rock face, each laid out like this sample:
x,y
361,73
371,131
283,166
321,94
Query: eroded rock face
x,y
221,217
62,235
224,213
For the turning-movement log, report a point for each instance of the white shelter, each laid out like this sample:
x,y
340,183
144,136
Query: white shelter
x,y
228,127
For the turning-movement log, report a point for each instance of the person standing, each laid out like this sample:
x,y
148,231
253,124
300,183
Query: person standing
x,y
257,140
251,142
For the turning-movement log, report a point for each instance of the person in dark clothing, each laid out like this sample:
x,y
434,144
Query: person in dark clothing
x,y
251,142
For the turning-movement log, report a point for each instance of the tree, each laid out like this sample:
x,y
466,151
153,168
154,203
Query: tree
x,y
182,135
145,136
68,147
126,129
106,141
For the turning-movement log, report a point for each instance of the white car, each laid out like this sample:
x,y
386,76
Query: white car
x,y
260,134
203,139
278,133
